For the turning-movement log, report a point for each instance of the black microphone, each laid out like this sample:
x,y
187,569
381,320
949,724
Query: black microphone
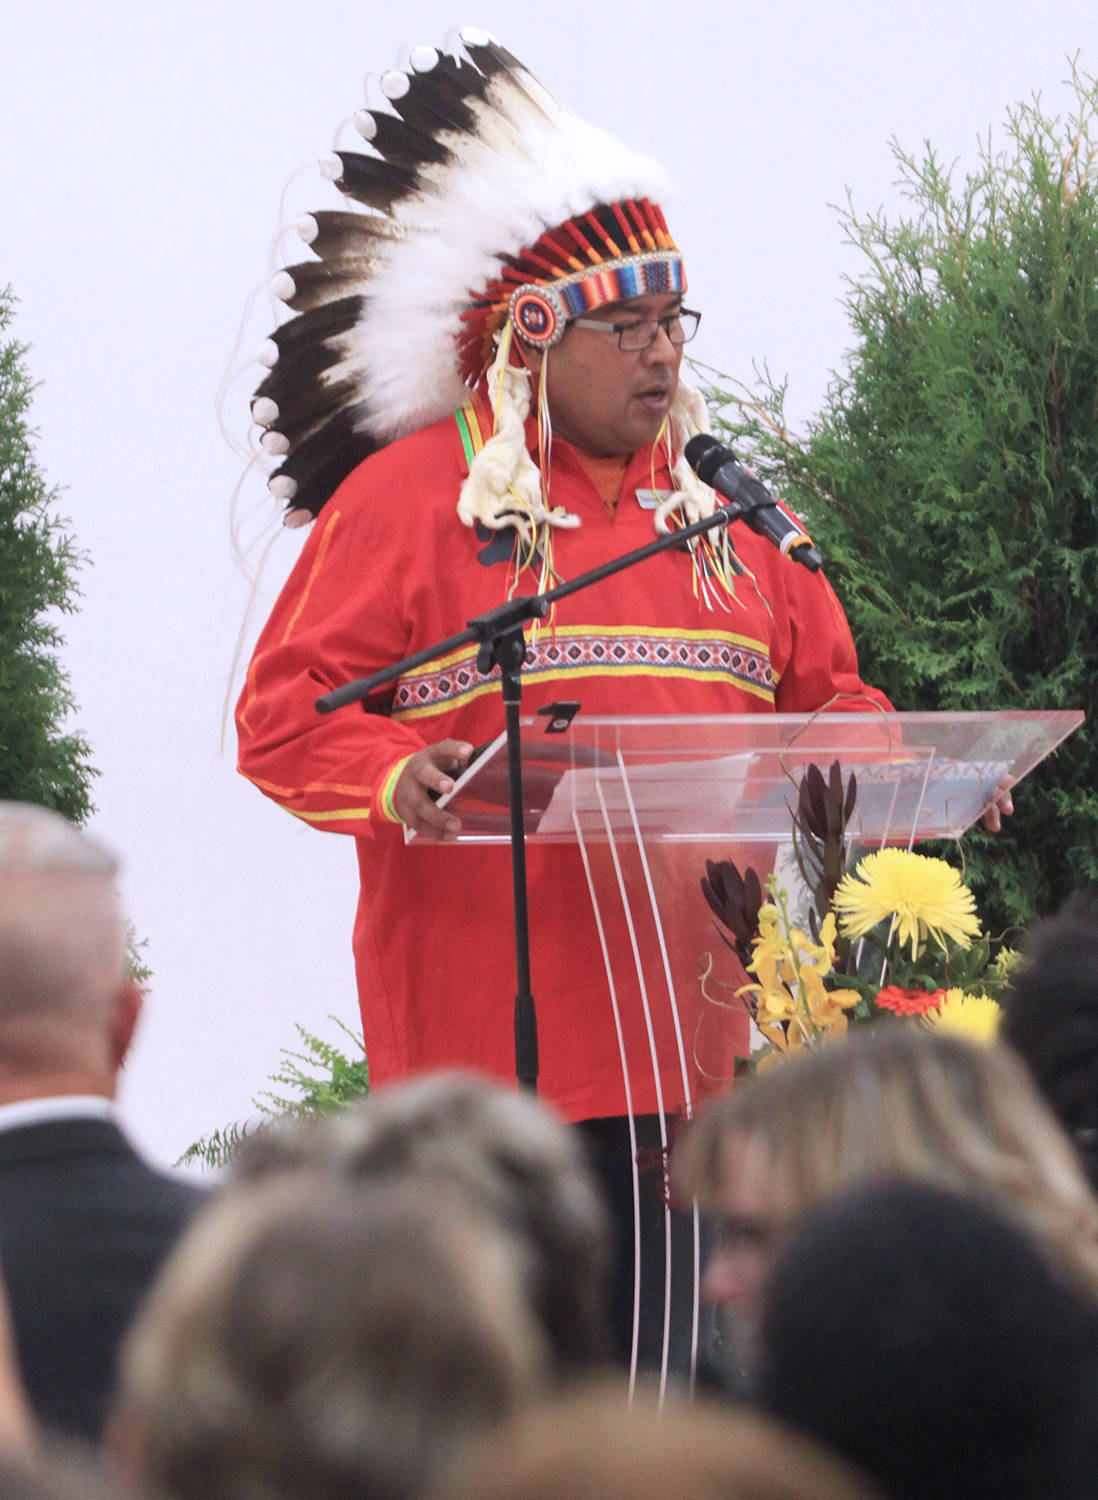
x,y
716,465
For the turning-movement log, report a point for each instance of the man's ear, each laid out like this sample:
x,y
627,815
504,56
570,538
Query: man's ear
x,y
127,1013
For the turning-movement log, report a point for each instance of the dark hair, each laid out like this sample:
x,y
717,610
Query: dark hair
x,y
1050,1017
923,1336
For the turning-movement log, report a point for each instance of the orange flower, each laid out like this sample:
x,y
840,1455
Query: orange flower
x,y
903,1002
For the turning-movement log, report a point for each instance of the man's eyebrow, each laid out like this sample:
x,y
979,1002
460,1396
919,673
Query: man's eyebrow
x,y
628,310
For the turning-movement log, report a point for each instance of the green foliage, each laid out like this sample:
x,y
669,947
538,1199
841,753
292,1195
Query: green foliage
x,y
218,1148
950,476
340,1081
136,964
39,762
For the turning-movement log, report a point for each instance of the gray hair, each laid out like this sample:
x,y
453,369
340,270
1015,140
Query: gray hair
x,y
307,1340
500,1151
34,840
62,934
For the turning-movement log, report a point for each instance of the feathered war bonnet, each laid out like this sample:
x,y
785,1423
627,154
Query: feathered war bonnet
x,y
486,210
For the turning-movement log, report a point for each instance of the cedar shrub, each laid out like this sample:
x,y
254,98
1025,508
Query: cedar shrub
x,y
949,478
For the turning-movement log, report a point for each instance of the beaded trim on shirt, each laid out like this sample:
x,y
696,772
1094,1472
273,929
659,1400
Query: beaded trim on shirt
x,y
564,654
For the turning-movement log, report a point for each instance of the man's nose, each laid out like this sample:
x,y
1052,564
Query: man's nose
x,y
661,351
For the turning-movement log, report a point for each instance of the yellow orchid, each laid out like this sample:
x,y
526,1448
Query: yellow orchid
x,y
791,1003
827,1007
823,952
771,940
774,1003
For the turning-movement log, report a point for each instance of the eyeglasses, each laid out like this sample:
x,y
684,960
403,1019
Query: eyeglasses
x,y
680,327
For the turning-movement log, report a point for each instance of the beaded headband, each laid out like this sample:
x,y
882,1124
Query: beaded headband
x,y
540,313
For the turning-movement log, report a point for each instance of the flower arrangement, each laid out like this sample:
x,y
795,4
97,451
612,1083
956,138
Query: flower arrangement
x,y
894,936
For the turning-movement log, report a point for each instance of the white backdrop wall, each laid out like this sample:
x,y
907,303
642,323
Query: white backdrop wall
x,y
143,155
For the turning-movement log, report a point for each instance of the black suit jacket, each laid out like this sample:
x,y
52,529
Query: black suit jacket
x,y
84,1225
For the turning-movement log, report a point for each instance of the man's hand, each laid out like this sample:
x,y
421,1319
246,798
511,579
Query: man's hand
x,y
1001,805
426,772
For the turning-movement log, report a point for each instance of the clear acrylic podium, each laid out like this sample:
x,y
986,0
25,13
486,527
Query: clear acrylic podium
x,y
701,778
648,800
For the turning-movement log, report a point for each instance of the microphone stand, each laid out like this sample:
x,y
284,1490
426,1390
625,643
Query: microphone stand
x,y
503,644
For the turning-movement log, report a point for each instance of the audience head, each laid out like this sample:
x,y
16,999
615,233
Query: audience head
x,y
1050,1017
892,1100
67,1010
921,1334
63,1471
16,1422
501,1154
592,1445
307,1343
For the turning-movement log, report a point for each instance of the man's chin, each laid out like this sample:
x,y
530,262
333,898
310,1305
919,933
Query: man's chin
x,y
649,430
649,414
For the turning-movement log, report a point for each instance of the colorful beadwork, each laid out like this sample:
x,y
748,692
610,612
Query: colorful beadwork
x,y
539,313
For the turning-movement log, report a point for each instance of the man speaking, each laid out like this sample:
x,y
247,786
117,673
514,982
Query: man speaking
x,y
478,395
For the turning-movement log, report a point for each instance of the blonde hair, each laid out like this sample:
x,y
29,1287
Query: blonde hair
x,y
36,841
898,1101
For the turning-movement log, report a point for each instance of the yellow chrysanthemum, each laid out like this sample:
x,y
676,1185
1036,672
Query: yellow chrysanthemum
x,y
926,897
974,1016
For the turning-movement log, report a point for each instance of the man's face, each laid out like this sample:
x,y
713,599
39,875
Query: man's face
x,y
603,399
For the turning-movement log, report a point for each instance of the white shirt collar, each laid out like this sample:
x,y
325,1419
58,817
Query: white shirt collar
x,y
57,1107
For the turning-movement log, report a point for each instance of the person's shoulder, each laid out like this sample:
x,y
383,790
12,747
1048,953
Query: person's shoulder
x,y
183,1192
175,1195
92,1156
425,464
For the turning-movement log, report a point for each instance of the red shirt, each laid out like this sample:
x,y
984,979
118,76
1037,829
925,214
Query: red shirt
x,y
387,570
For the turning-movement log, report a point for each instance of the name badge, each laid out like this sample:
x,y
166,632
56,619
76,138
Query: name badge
x,y
652,499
